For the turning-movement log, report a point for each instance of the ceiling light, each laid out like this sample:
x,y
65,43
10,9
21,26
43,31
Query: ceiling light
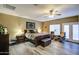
x,y
51,16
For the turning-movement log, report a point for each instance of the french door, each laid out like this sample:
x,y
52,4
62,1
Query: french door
x,y
71,30
75,31
66,30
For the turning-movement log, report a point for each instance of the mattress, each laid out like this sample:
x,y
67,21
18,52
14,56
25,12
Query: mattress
x,y
34,35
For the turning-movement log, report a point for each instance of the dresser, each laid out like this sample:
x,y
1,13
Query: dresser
x,y
4,44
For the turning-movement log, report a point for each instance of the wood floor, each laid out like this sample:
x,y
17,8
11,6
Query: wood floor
x,y
55,48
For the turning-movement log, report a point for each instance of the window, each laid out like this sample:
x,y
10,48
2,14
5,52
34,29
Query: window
x,y
55,28
71,30
66,30
75,32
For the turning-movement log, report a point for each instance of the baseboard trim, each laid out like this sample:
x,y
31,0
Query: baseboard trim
x,y
72,41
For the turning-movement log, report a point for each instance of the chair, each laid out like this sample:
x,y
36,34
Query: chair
x,y
62,36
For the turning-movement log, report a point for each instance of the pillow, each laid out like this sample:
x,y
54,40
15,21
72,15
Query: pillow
x,y
31,31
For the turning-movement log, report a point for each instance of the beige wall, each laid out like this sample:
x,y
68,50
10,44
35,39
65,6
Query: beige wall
x,y
59,21
16,24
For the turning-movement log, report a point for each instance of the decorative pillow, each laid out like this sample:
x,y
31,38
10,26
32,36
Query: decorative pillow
x,y
31,31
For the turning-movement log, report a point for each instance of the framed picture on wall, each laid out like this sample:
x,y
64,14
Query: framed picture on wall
x,y
30,25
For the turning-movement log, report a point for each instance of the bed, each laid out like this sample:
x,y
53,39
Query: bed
x,y
37,37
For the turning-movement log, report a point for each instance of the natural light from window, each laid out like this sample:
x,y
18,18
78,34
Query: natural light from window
x,y
76,32
55,29
66,30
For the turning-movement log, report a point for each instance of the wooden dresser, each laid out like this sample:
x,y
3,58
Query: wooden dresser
x,y
4,44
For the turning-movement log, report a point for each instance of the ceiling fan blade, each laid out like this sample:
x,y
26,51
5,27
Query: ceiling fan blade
x,y
41,15
58,14
46,15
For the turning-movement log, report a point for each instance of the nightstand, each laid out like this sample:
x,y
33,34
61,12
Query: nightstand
x,y
20,39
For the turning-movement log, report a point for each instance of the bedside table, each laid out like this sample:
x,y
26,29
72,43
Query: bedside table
x,y
20,39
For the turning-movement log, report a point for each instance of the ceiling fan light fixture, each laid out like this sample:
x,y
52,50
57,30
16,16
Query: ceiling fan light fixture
x,y
51,16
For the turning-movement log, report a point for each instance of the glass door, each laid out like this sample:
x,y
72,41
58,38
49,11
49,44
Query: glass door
x,y
66,30
71,30
75,31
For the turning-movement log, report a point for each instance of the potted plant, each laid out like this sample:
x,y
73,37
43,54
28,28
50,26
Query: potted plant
x,y
1,29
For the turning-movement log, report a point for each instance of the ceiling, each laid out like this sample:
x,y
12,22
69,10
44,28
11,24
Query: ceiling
x,y
36,11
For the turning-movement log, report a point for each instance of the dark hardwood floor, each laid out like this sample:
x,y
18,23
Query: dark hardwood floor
x,y
73,47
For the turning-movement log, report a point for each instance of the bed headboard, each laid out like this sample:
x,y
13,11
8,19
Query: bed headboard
x,y
30,31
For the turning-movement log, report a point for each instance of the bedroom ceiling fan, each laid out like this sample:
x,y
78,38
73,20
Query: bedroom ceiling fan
x,y
53,13
50,14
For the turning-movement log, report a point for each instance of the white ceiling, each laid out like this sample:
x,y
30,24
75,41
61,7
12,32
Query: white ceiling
x,y
31,11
